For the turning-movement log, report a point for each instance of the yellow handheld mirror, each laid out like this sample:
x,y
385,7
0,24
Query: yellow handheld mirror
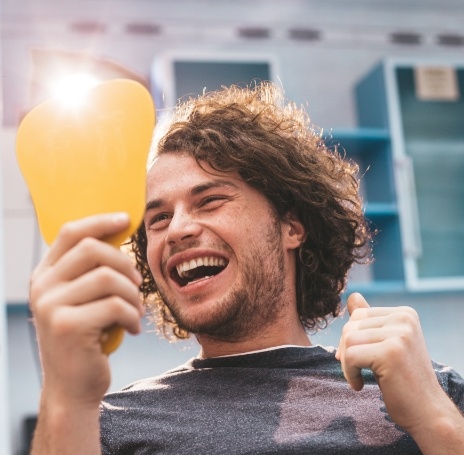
x,y
87,159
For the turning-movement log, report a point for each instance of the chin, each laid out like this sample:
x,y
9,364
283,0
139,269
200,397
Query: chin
x,y
203,317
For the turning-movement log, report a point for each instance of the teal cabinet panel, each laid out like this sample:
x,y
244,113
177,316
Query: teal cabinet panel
x,y
370,148
421,106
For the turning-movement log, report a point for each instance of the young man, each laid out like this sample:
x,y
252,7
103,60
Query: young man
x,y
250,228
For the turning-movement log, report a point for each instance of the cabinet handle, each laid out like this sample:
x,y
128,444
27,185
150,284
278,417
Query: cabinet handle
x,y
410,212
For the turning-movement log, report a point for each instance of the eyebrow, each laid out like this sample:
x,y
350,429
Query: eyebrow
x,y
195,191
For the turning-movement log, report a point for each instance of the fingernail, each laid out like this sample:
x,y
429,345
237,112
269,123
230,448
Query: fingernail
x,y
121,218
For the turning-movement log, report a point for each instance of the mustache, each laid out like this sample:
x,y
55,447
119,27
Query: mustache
x,y
194,243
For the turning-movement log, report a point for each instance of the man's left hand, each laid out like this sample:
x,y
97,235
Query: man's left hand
x,y
389,341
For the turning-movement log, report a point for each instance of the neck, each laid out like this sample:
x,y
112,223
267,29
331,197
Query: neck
x,y
285,329
267,338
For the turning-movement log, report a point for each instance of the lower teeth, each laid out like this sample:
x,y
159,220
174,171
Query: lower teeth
x,y
199,279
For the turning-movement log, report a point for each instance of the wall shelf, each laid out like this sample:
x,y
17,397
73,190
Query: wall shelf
x,y
370,148
420,106
380,209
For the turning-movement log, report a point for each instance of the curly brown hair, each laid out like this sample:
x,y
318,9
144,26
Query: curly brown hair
x,y
274,147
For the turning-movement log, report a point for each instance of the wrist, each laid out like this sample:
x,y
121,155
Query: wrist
x,y
62,428
70,396
442,431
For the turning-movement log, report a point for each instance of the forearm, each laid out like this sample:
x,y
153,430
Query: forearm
x,y
66,430
444,435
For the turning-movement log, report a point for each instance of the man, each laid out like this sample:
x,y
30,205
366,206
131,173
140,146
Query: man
x,y
250,228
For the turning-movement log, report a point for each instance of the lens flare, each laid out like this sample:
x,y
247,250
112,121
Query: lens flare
x,y
70,90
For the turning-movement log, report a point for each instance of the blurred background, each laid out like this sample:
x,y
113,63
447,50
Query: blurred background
x,y
382,78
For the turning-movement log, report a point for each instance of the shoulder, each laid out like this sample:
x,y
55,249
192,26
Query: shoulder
x,y
451,382
150,383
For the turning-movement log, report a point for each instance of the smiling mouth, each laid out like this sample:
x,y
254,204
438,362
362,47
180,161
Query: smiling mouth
x,y
189,272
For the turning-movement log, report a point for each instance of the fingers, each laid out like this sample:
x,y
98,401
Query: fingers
x,y
89,304
352,368
89,254
90,271
98,284
76,252
352,373
98,226
389,342
83,275
83,294
375,338
81,325
356,301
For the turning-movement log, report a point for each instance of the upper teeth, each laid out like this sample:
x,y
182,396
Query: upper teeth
x,y
198,262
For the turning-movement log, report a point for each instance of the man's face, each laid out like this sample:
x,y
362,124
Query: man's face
x,y
214,248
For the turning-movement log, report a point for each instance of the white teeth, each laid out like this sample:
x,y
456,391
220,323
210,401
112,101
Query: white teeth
x,y
186,266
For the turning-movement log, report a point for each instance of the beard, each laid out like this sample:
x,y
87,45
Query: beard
x,y
249,306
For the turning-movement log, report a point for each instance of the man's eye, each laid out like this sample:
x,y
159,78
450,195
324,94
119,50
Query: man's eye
x,y
212,201
158,221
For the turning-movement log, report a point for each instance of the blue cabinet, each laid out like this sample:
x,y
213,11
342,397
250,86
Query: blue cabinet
x,y
410,148
370,148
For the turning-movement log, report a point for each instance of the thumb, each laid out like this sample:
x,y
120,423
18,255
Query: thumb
x,y
356,301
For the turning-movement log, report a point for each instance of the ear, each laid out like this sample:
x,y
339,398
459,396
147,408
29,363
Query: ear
x,y
293,231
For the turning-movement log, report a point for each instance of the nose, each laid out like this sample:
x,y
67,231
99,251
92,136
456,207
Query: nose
x,y
183,226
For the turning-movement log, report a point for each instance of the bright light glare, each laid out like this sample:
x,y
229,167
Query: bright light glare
x,y
70,90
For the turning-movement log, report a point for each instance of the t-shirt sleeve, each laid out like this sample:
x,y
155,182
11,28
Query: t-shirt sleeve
x,y
452,383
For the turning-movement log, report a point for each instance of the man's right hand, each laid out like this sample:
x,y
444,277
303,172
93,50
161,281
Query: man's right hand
x,y
80,288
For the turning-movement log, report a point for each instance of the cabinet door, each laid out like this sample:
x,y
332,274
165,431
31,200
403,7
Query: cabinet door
x,y
421,104
370,149
428,146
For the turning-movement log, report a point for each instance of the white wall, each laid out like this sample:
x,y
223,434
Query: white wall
x,y
4,363
4,412
318,74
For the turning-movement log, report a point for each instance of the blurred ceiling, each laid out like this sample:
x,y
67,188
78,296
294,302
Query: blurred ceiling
x,y
132,32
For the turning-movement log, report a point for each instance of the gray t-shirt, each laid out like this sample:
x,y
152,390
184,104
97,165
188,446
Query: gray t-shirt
x,y
291,400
